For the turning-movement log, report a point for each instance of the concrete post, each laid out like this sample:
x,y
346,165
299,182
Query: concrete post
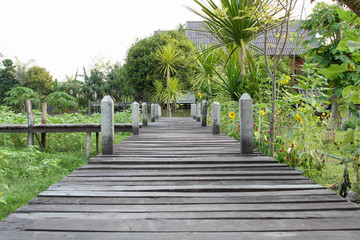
x,y
152,112
135,118
193,110
144,114
204,113
198,112
107,126
216,118
156,111
246,124
159,111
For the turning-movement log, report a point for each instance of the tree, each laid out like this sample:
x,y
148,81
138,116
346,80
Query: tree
x,y
273,19
337,54
21,69
40,80
16,97
7,78
61,101
94,85
118,85
229,23
140,61
169,58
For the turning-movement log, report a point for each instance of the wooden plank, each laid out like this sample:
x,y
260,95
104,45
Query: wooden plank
x,y
262,207
203,187
187,200
169,225
182,194
306,214
294,235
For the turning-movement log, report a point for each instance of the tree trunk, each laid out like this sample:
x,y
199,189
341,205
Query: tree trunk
x,y
167,85
242,58
272,116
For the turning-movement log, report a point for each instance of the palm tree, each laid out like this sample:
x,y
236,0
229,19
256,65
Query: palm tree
x,y
230,23
169,58
205,63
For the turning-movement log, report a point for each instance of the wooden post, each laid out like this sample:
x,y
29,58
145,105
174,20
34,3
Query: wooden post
x,y
43,121
144,114
156,111
152,112
204,113
193,110
216,118
30,116
107,126
198,112
246,124
88,144
135,118
89,107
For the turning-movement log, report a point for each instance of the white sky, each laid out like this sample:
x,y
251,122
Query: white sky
x,y
65,35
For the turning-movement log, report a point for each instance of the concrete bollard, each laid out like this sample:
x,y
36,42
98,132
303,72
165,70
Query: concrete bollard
x,y
159,111
144,114
216,118
246,124
193,110
135,118
204,113
152,112
107,126
156,111
198,112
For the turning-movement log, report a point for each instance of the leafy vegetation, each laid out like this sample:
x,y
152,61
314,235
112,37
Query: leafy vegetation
x,y
24,172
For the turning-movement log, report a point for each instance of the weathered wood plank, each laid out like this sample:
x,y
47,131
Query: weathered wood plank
x,y
270,207
259,194
187,200
294,235
169,225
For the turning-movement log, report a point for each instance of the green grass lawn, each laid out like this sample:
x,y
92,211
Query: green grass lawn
x,y
25,172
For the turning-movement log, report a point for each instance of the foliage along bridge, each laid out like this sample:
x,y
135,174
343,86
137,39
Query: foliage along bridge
x,y
177,180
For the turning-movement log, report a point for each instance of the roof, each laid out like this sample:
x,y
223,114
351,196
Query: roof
x,y
197,33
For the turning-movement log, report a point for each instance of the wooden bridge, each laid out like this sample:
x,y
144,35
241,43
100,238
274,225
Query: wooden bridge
x,y
178,181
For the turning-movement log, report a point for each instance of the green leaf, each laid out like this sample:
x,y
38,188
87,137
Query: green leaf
x,y
349,136
353,45
343,109
333,71
348,16
342,46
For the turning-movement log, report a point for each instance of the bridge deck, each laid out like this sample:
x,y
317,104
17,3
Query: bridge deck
x,y
178,181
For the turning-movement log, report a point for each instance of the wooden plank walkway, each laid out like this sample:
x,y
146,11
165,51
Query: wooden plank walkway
x,y
178,181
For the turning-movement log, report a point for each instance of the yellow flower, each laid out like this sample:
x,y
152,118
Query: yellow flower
x,y
262,112
288,78
283,82
298,118
232,115
199,94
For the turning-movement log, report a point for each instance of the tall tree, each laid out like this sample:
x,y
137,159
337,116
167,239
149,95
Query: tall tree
x,y
40,80
140,61
7,78
273,19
